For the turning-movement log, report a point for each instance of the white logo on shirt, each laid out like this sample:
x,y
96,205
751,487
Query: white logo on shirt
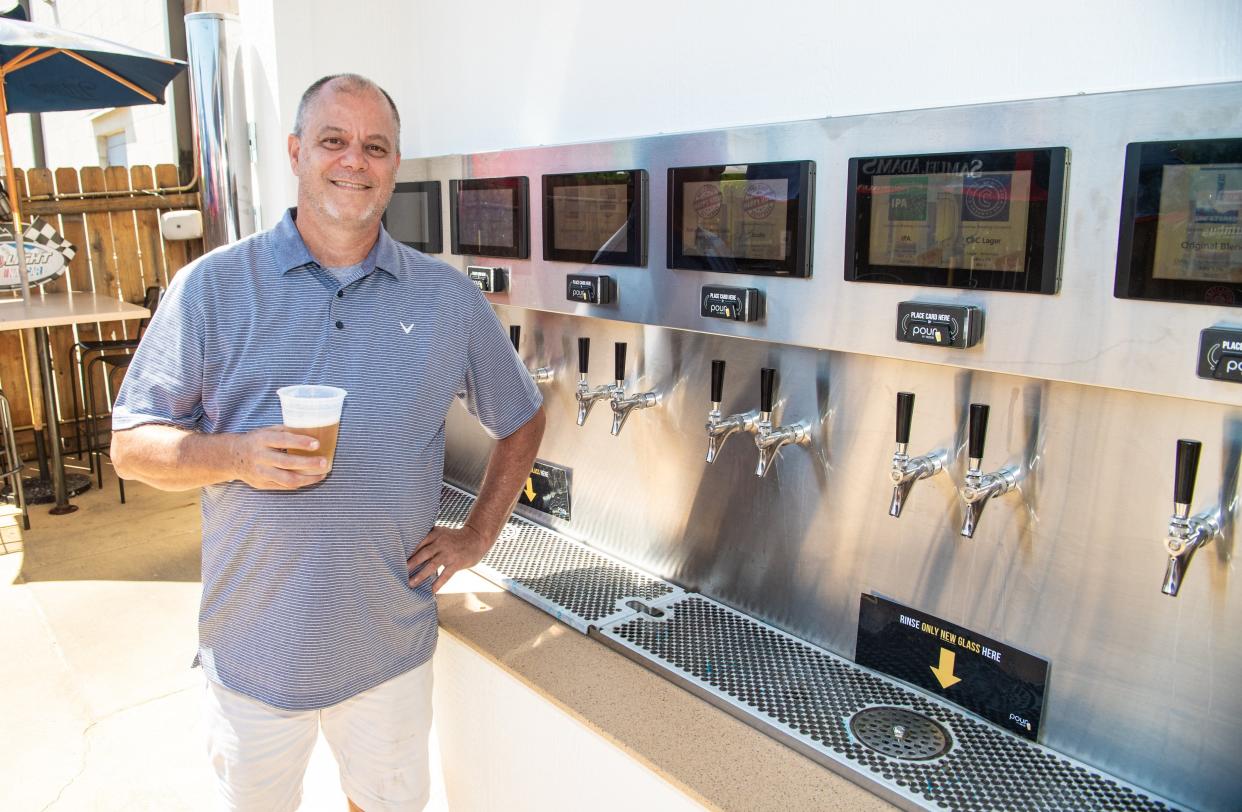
x,y
406,327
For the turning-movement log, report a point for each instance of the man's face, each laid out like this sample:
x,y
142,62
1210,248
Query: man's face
x,y
346,159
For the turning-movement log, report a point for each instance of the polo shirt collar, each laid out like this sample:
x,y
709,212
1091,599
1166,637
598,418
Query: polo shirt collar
x,y
292,253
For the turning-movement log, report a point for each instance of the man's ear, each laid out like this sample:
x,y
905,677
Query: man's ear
x,y
295,147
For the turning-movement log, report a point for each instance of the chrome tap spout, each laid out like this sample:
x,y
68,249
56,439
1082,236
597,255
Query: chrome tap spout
x,y
979,487
907,470
770,440
979,490
586,397
622,405
541,375
1185,537
1187,533
719,429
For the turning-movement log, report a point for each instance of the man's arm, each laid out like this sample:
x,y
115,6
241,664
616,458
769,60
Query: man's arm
x,y
174,459
507,470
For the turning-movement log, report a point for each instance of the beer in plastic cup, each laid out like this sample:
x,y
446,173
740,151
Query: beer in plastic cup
x,y
316,412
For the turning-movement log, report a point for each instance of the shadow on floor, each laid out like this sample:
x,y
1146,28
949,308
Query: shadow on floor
x,y
154,536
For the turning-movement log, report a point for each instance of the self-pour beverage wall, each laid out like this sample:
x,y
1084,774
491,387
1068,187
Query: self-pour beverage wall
x,y
965,376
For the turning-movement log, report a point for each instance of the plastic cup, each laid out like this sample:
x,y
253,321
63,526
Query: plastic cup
x,y
316,412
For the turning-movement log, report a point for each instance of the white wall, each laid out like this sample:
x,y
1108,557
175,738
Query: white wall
x,y
477,75
504,746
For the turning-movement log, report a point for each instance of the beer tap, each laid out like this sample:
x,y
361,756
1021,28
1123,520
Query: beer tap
x,y
981,487
1186,533
770,439
540,375
585,395
906,471
720,429
622,404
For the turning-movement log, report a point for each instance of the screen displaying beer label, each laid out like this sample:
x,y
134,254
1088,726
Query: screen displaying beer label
x,y
956,326
742,218
987,220
969,219
738,218
597,218
1181,222
589,218
734,304
1220,354
1199,225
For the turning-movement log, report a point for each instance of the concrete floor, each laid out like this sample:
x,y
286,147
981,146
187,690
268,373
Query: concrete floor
x,y
99,708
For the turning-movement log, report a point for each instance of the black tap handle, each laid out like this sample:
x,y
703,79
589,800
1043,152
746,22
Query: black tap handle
x,y
978,429
584,354
718,368
515,334
1186,468
620,370
767,380
905,412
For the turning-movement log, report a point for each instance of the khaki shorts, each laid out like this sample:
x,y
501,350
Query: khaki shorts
x,y
379,738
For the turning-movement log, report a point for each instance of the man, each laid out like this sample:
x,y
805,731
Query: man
x,y
318,605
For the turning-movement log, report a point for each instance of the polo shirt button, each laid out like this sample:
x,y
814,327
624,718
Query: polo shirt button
x,y
340,294
340,325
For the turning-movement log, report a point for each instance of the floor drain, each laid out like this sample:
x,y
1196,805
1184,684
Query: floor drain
x,y
900,733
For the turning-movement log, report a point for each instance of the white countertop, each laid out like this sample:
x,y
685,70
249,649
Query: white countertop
x,y
55,309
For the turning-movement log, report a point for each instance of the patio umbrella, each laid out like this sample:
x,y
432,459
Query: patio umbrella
x,y
45,69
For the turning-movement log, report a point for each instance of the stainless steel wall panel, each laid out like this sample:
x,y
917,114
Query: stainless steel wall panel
x,y
1069,568
1082,335
1089,391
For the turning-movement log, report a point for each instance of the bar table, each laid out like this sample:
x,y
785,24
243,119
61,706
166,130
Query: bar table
x,y
53,310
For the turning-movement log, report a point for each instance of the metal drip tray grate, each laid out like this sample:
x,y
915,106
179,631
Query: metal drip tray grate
x,y
570,581
900,733
824,706
909,747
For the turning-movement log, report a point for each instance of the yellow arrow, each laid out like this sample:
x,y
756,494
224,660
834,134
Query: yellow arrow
x,y
530,488
944,673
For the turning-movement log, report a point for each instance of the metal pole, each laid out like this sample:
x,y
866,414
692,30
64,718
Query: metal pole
x,y
53,426
221,141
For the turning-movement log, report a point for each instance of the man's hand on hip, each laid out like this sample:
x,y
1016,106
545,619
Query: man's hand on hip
x,y
261,461
449,549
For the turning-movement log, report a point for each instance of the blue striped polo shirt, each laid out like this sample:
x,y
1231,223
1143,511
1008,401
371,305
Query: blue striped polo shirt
x,y
305,594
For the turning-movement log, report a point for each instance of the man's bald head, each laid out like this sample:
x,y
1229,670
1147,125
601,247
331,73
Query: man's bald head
x,y
344,83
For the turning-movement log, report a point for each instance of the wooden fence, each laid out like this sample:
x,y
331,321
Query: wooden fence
x,y
112,217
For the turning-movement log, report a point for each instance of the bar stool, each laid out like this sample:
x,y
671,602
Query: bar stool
x,y
111,355
117,361
150,300
11,461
